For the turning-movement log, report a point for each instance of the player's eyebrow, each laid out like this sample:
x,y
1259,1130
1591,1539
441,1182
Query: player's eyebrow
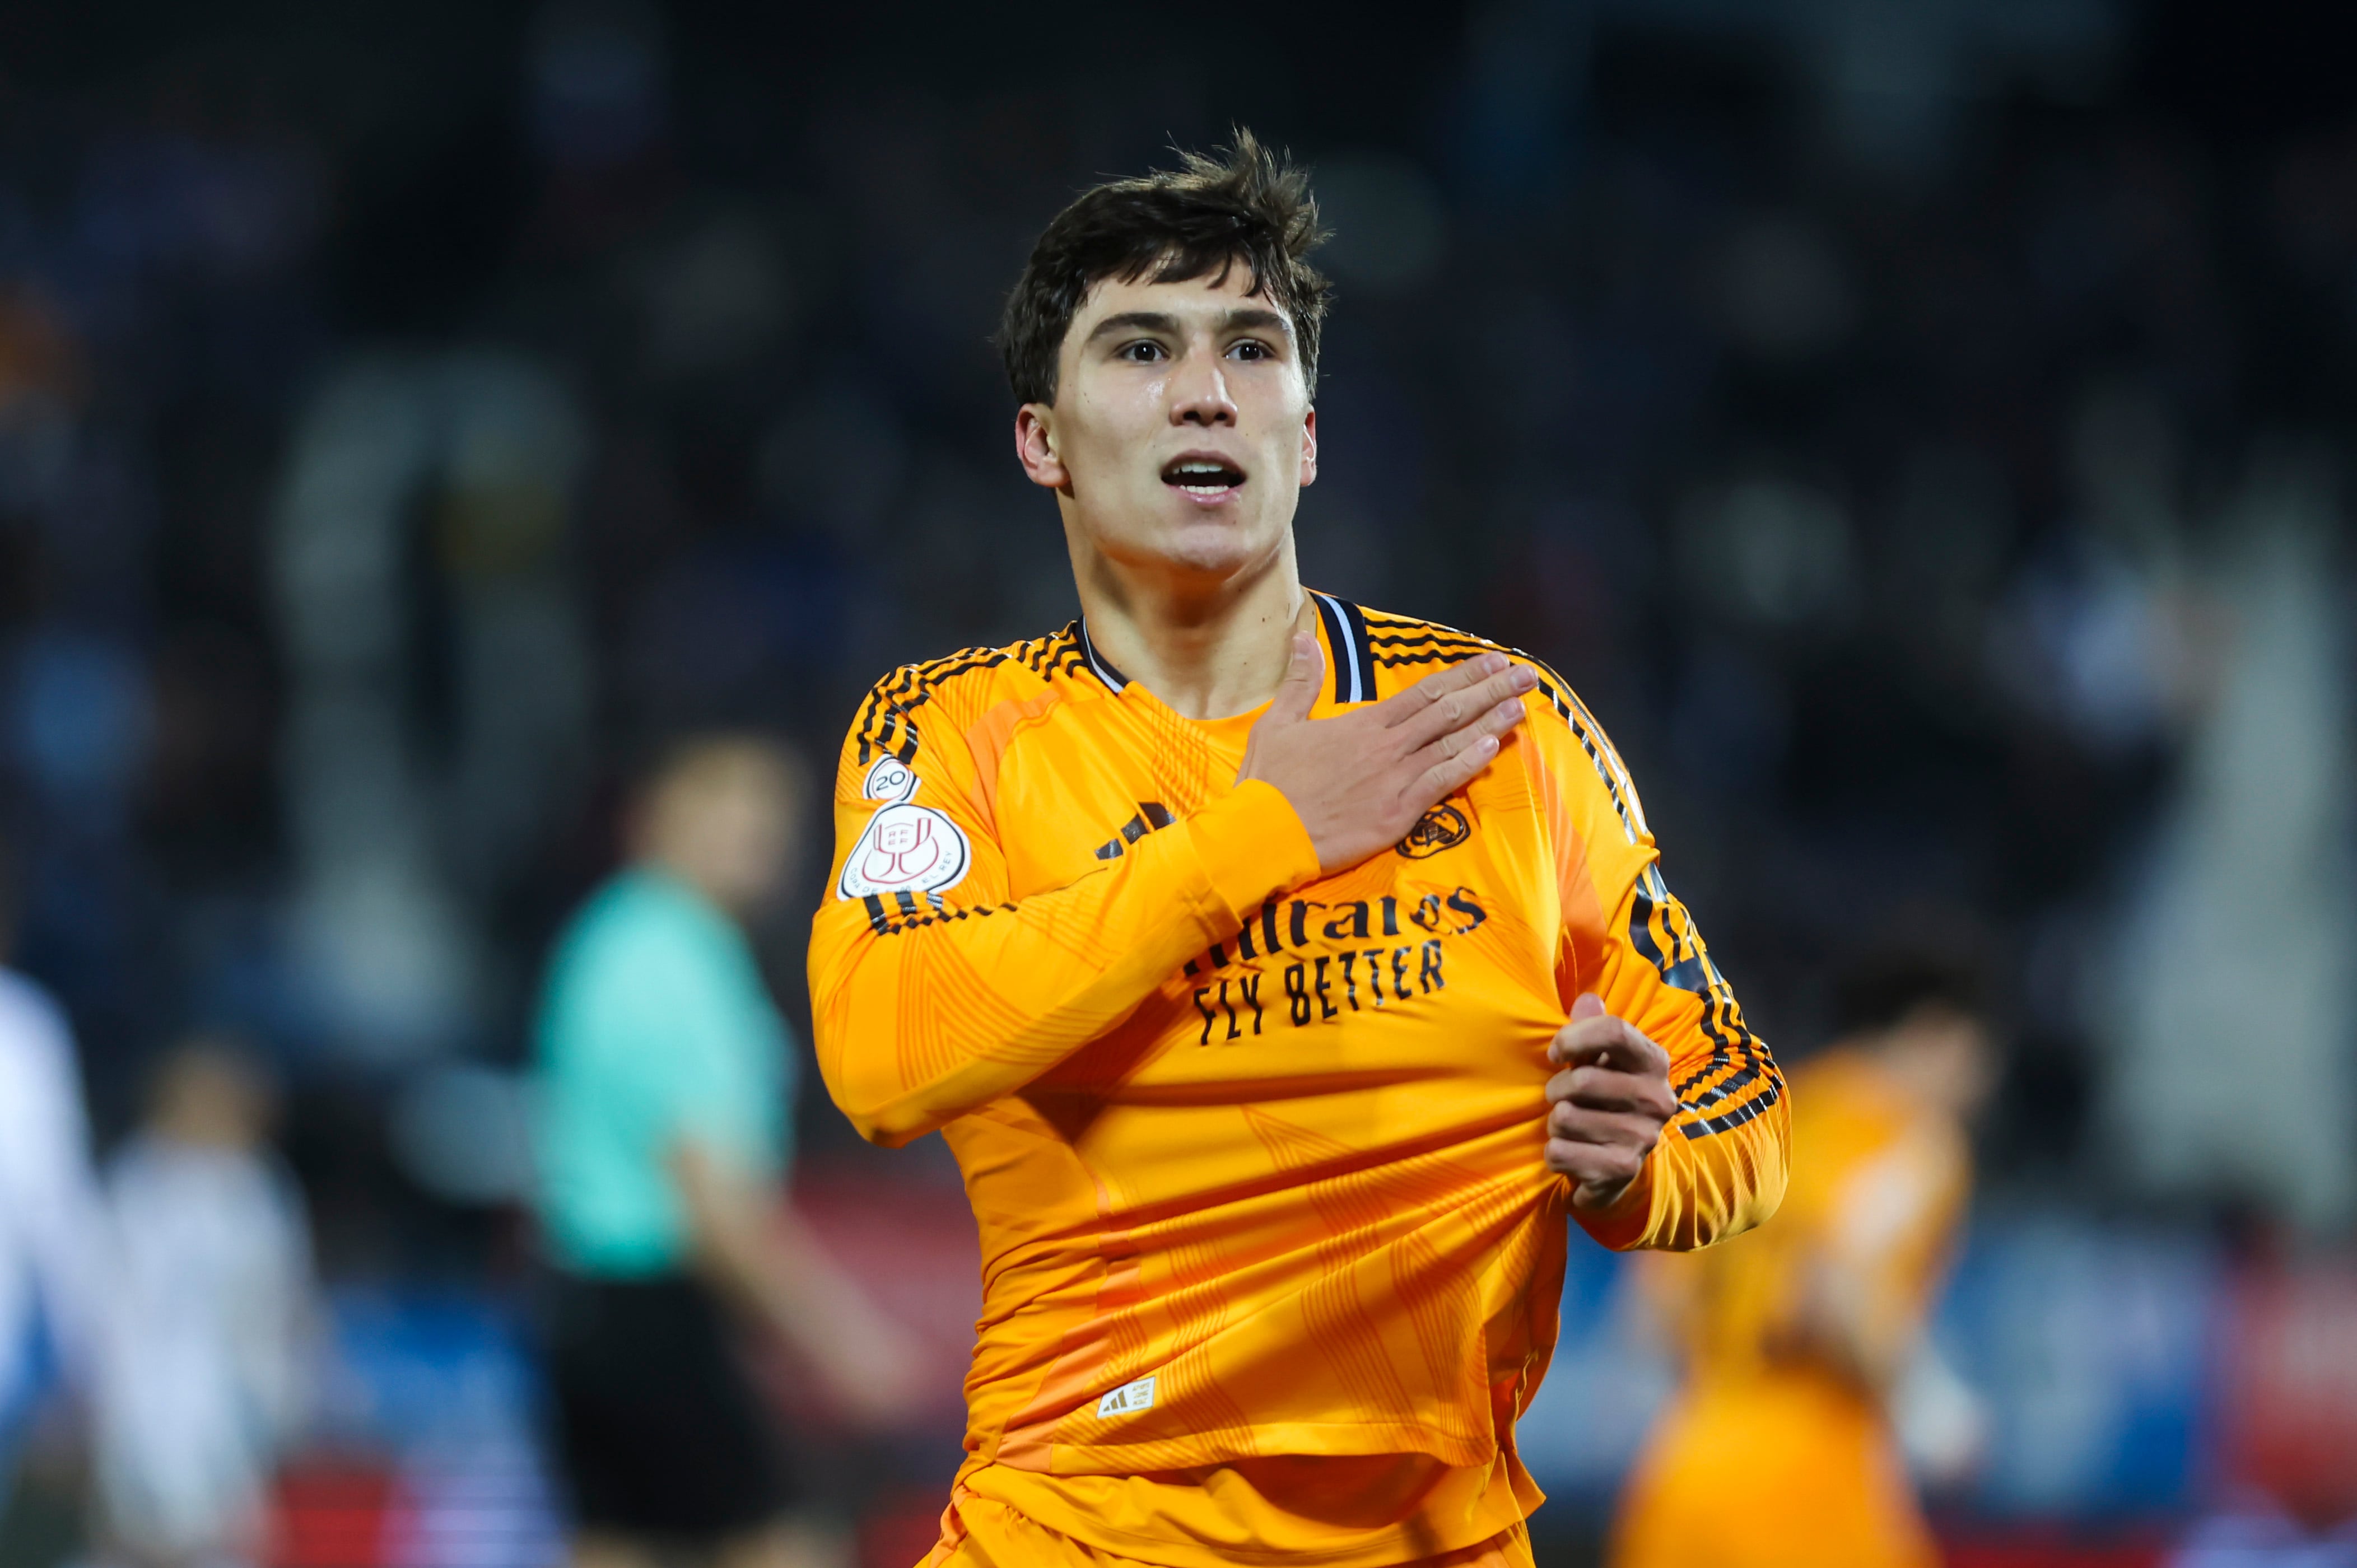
x,y
1136,321
1250,317
1243,318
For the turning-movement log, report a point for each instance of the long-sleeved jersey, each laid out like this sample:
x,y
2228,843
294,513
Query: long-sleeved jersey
x,y
1256,1152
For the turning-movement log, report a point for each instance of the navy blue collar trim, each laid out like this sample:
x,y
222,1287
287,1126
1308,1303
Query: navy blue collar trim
x,y
1113,679
1354,658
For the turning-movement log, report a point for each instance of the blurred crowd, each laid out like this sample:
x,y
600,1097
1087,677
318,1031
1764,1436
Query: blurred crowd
x,y
1915,430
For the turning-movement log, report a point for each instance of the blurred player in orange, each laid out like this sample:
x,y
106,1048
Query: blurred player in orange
x,y
1779,1452
1281,974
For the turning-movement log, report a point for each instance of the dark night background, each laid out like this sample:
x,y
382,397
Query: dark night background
x,y
1917,429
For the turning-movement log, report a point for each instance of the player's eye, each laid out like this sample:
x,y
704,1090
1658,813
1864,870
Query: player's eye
x,y
1142,352
1250,348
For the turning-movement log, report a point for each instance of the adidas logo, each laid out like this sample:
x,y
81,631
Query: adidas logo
x,y
1128,1399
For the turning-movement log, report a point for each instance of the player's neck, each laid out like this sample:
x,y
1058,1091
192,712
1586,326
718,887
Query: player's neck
x,y
1207,650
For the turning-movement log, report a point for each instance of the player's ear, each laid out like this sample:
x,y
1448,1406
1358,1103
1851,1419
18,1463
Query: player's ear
x,y
1035,447
1309,447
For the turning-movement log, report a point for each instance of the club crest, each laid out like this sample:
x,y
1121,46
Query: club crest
x,y
906,849
1443,827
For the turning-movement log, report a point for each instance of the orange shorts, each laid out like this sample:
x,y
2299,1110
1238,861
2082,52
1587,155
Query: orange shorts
x,y
989,1534
1782,1474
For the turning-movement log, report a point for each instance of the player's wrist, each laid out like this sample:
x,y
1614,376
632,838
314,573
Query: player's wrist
x,y
1254,845
1624,1220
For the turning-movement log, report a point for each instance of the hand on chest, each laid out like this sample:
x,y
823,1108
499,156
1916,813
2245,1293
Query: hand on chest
x,y
1434,957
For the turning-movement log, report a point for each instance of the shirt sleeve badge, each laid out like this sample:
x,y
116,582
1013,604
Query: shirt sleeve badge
x,y
889,780
906,849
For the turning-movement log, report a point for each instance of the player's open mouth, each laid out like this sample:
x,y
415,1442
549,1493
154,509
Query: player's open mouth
x,y
1205,479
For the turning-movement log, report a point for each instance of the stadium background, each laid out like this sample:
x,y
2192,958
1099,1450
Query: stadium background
x,y
1918,429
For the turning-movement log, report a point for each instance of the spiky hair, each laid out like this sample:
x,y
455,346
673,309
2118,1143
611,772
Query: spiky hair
x,y
1246,204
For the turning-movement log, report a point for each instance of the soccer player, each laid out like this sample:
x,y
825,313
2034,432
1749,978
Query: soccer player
x,y
53,1275
1778,1453
211,1304
1281,973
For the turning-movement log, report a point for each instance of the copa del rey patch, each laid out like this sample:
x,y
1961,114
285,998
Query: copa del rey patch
x,y
906,849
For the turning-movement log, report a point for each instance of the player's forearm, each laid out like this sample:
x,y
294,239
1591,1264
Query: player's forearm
x,y
725,1245
759,1260
1839,1323
762,1259
921,1017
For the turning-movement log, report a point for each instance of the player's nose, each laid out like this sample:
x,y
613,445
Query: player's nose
x,y
1198,393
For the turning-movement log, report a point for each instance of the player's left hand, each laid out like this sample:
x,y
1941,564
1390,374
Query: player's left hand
x,y
1608,1106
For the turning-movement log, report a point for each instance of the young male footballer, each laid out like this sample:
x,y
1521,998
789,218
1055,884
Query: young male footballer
x,y
1281,973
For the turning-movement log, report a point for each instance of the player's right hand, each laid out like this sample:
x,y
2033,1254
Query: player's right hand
x,y
1359,780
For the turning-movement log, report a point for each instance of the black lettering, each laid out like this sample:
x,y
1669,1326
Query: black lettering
x,y
1375,974
1427,913
1390,916
1399,972
1234,1032
1268,928
1326,1008
1132,829
1296,993
1248,987
1156,814
1356,919
1465,904
1427,976
1205,1038
1244,943
1350,983
1301,909
1194,968
1218,956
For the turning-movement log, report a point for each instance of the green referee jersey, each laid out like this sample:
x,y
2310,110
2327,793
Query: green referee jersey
x,y
656,1028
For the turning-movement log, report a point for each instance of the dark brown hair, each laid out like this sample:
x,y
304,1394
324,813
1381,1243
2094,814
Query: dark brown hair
x,y
1249,205
1885,986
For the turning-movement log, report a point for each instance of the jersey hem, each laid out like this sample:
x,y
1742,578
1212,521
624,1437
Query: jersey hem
x,y
1382,1549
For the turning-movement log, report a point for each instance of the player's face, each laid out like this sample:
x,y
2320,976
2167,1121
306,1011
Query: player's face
x,y
1956,1060
1181,433
730,830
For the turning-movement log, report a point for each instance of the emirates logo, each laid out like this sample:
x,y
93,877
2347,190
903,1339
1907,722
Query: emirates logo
x,y
1443,827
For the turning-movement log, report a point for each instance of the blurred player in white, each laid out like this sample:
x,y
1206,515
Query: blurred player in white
x,y
49,1257
202,1375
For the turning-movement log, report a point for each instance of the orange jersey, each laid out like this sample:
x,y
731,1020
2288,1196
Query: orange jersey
x,y
1256,1153
1766,1458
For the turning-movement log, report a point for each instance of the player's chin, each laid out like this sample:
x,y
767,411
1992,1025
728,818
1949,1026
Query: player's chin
x,y
1215,542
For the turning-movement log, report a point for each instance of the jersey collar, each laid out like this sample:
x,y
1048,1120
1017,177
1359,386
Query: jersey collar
x,y
1113,679
1344,630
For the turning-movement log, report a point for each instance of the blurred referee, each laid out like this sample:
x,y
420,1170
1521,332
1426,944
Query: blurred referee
x,y
667,1087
